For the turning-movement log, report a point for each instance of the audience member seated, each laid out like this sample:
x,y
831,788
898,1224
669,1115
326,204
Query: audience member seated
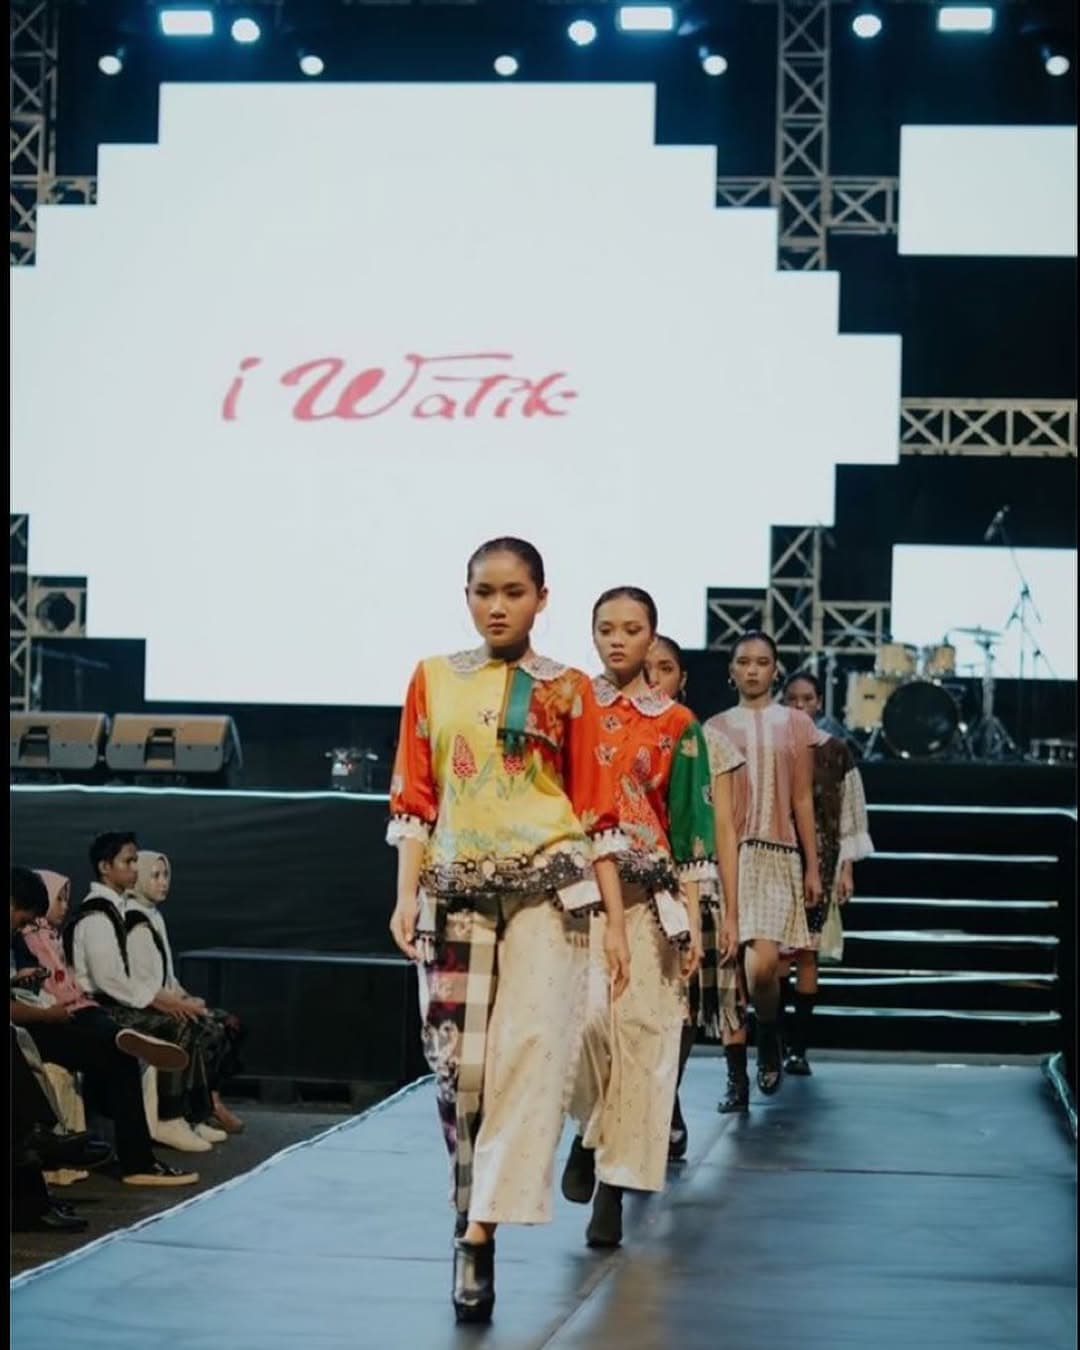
x,y
151,959
96,948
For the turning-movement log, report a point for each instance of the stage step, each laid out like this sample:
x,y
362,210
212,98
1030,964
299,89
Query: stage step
x,y
961,1031
949,949
974,916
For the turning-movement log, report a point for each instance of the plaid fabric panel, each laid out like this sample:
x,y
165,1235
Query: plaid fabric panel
x,y
457,991
717,1001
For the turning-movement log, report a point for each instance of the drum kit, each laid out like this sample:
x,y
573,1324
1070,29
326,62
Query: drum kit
x,y
911,702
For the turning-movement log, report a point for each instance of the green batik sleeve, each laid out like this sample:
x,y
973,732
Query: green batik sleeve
x,y
690,810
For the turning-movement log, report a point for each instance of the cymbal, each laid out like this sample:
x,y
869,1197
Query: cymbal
x,y
980,634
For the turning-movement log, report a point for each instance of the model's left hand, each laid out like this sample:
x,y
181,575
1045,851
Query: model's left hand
x,y
845,887
812,891
729,940
691,961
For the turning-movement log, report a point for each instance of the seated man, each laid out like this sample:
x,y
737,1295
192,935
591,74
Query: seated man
x,y
96,948
82,1038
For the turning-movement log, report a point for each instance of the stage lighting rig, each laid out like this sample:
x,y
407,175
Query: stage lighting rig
x,y
965,19
245,31
186,22
311,65
506,66
582,32
866,25
712,63
646,18
111,63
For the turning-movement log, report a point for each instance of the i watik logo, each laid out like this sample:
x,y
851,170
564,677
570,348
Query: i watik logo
x,y
453,387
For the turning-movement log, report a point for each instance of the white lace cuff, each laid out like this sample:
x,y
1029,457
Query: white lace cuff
x,y
701,869
407,827
856,847
608,844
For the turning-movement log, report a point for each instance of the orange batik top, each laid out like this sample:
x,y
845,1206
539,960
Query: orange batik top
x,y
661,763
500,772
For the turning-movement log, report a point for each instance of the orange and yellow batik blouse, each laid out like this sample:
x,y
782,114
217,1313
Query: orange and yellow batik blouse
x,y
500,773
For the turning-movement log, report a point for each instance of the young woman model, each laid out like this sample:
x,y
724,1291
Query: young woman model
x,y
504,816
843,838
774,815
625,1085
712,992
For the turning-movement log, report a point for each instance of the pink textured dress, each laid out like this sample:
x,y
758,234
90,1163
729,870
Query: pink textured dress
x,y
769,740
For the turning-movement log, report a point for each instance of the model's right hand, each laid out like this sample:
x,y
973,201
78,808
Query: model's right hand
x,y
617,955
403,928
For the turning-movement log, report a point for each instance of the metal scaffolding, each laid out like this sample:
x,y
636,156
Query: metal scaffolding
x,y
1036,428
19,670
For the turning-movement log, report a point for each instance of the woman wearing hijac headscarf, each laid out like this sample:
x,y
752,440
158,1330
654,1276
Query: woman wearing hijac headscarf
x,y
218,1032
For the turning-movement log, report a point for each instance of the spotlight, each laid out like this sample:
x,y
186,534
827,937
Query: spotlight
x,y
646,18
965,19
245,31
581,32
712,63
866,25
186,22
112,63
506,66
1055,63
311,65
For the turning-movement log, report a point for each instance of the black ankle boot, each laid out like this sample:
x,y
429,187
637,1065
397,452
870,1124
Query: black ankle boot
x,y
679,1138
770,1069
605,1226
738,1084
474,1280
461,1223
579,1174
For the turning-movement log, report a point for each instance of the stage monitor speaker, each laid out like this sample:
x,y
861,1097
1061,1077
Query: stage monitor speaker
x,y
57,741
173,744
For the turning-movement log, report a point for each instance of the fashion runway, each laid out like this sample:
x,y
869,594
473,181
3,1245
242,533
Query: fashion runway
x,y
876,1205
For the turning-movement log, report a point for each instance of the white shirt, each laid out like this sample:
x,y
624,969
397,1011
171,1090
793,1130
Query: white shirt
x,y
99,966
143,956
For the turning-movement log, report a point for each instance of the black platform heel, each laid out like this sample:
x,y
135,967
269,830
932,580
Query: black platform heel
x,y
474,1280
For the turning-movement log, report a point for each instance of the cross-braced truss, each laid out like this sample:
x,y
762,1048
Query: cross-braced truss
x,y
988,426
19,669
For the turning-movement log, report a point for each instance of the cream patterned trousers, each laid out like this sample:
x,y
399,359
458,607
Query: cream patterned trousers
x,y
624,1090
502,1008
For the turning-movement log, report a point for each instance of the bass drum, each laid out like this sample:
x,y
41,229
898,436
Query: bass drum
x,y
920,720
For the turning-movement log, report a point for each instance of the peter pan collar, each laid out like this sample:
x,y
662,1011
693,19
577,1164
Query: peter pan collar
x,y
541,668
651,704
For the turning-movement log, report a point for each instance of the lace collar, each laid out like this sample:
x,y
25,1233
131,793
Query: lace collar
x,y
650,704
541,668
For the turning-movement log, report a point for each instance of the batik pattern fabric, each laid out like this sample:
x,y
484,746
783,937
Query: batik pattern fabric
x,y
843,835
657,751
715,1003
502,1004
770,740
501,774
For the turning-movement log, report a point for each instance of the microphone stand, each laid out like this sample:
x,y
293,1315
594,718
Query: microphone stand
x,y
1022,612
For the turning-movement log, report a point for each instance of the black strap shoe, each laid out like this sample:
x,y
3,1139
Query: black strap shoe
x,y
49,1150
678,1142
797,1065
52,1220
737,1101
579,1174
770,1071
605,1226
474,1280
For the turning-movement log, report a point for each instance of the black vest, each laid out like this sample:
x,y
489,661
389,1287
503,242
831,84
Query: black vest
x,y
133,918
96,904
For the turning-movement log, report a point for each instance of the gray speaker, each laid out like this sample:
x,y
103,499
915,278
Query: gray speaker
x,y
54,741
172,744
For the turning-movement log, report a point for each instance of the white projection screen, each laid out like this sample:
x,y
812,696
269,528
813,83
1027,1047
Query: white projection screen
x,y
464,311
988,191
939,590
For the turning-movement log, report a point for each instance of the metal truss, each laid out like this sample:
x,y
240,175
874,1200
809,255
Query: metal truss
x,y
855,627
793,599
19,669
33,178
988,426
802,132
737,615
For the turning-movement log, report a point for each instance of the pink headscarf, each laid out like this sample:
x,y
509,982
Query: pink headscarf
x,y
44,944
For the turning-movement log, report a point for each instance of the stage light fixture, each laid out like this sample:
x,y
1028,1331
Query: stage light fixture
x,y
245,31
965,19
180,23
712,63
311,65
1055,63
112,63
506,66
866,26
646,19
582,32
